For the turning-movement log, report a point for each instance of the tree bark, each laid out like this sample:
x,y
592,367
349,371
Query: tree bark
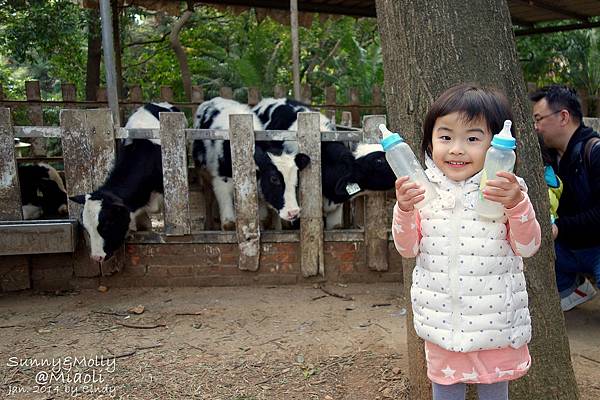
x,y
428,46
186,76
94,56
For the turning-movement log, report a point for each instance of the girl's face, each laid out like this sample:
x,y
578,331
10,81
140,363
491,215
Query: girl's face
x,y
457,147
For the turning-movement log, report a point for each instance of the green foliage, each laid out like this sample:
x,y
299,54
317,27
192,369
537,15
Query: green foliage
x,y
43,40
571,58
47,40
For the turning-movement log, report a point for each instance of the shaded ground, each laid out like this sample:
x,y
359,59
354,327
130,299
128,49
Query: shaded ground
x,y
228,343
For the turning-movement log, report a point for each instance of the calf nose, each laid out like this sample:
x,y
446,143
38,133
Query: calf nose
x,y
293,213
98,258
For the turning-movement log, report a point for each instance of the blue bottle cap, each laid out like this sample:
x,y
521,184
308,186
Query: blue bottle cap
x,y
504,139
389,138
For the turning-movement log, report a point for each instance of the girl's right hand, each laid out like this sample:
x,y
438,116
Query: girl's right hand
x,y
408,193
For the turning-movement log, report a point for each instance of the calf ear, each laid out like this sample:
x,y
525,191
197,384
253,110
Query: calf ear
x,y
260,158
80,198
302,160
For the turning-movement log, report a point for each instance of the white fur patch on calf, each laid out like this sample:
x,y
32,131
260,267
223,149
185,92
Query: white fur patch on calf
x,y
91,212
143,119
223,188
286,164
365,149
31,212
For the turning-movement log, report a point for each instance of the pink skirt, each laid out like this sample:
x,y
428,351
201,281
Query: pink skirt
x,y
446,367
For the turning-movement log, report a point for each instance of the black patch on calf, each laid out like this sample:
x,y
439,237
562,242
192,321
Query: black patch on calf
x,y
337,171
38,189
155,109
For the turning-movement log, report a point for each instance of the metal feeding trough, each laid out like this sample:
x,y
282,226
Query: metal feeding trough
x,y
37,237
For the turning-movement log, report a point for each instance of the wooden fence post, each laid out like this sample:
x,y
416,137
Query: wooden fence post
x,y
88,152
69,92
77,157
376,222
377,98
354,102
311,197
166,93
346,119
253,96
226,92
10,194
36,116
135,94
279,91
241,134
100,131
79,170
330,100
197,94
14,273
101,94
175,173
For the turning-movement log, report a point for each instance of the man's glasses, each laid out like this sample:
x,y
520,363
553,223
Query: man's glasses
x,y
541,117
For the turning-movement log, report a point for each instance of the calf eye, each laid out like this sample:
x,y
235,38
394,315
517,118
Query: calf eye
x,y
275,180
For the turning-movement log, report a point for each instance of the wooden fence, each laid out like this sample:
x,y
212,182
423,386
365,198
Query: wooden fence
x,y
35,106
88,142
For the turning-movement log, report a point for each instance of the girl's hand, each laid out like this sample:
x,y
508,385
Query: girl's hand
x,y
504,191
408,193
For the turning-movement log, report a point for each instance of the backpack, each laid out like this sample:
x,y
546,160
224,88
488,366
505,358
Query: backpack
x,y
583,177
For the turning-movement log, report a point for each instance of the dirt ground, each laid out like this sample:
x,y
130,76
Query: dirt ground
x,y
245,343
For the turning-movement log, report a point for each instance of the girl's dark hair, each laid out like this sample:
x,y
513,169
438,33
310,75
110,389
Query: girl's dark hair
x,y
473,102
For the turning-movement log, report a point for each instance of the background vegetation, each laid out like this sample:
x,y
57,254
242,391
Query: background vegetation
x,y
224,49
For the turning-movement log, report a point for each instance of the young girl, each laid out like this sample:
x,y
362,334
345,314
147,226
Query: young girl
x,y
468,293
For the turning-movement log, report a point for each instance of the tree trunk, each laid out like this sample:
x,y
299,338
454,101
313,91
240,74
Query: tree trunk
x,y
429,46
116,13
94,56
186,76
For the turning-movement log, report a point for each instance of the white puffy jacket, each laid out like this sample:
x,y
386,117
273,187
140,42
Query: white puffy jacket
x,y
468,289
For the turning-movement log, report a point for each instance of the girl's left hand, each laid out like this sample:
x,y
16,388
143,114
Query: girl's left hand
x,y
504,191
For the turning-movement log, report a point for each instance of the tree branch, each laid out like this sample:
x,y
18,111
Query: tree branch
x,y
162,39
154,54
186,76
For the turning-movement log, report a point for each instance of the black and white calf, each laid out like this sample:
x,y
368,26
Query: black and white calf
x,y
347,174
43,193
277,164
133,188
344,173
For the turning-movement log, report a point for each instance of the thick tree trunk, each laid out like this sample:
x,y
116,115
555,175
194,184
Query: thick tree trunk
x,y
428,46
94,56
180,53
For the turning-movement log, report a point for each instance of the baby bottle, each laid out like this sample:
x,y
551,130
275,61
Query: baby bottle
x,y
499,157
403,162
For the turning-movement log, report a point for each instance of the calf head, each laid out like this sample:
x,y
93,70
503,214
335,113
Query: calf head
x,y
278,179
106,220
372,170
